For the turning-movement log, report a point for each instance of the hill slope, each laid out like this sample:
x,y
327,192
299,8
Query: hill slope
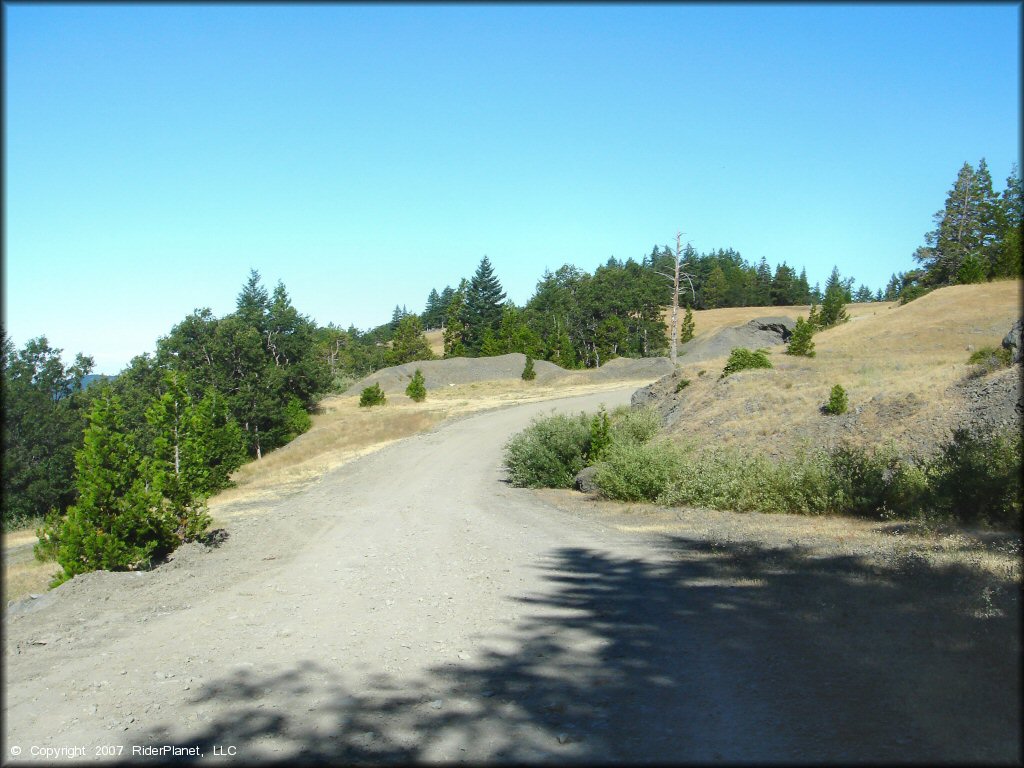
x,y
904,368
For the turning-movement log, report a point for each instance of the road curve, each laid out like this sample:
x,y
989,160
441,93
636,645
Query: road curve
x,y
411,606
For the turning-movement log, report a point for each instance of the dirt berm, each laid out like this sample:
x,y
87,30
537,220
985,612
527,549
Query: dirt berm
x,y
462,370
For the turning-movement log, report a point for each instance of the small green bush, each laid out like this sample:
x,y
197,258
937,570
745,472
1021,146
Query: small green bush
x,y
550,452
801,342
976,478
990,359
528,373
634,426
741,359
837,401
876,483
372,396
417,388
683,384
637,471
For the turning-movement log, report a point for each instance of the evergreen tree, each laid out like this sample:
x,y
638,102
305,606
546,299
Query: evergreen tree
x,y
713,293
784,288
528,373
454,330
119,522
417,389
409,343
863,294
686,329
1007,253
433,313
482,309
801,342
967,225
253,301
832,310
44,415
763,285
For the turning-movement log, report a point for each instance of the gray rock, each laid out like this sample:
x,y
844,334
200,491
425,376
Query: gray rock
x,y
585,480
1012,341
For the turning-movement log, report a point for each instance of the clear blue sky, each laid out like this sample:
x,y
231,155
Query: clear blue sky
x,y
366,154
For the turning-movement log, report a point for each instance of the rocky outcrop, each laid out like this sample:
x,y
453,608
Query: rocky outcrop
x,y
584,481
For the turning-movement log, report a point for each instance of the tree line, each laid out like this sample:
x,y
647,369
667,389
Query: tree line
x,y
976,236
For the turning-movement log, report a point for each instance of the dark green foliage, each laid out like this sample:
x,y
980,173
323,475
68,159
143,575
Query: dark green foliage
x,y
121,520
417,388
482,309
801,342
682,384
977,232
550,452
837,401
372,396
833,310
741,359
528,373
409,343
977,479
44,415
455,328
687,327
600,436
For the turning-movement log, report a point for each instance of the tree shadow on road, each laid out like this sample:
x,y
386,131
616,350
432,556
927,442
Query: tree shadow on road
x,y
708,651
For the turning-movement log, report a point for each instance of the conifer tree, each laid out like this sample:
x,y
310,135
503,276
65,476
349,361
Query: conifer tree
x,y
417,389
482,309
832,310
714,289
409,343
528,373
454,330
120,521
801,343
686,330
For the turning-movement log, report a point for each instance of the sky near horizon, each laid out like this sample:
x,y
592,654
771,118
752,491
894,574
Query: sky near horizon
x,y
364,154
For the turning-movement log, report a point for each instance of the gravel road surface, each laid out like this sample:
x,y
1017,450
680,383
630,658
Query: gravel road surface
x,y
411,606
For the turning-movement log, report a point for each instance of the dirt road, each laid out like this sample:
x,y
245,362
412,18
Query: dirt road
x,y
413,606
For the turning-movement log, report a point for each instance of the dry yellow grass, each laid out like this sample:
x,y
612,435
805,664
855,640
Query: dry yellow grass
x,y
435,339
896,363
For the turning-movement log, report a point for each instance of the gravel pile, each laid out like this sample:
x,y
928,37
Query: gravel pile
x,y
760,332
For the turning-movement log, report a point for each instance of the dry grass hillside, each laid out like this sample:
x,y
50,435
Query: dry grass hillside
x,y
904,368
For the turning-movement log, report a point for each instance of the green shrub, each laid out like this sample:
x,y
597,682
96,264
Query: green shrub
x,y
600,436
550,452
801,342
372,396
976,478
683,384
417,388
990,359
528,373
876,483
634,426
837,401
637,471
740,359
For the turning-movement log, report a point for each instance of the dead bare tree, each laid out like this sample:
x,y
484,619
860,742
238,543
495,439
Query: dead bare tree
x,y
675,294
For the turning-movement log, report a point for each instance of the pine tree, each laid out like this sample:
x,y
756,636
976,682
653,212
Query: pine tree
x,y
409,343
454,330
482,309
801,342
686,330
713,293
1007,254
528,373
832,310
417,388
253,302
120,521
967,225
432,313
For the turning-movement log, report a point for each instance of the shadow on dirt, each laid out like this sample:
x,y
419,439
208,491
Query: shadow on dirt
x,y
717,651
